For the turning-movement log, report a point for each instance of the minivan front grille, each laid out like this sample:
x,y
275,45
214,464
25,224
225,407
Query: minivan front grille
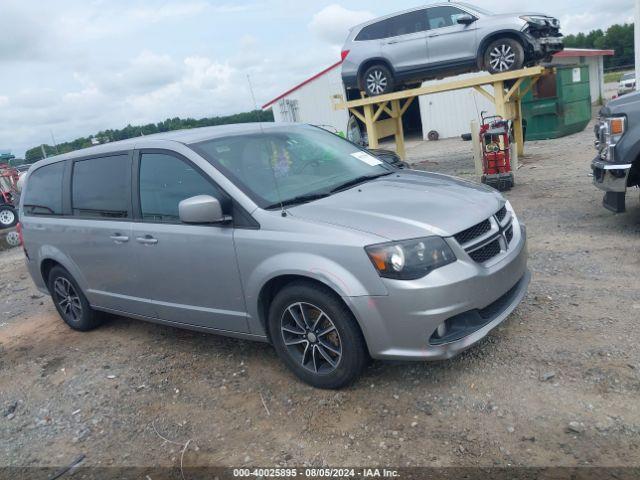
x,y
489,238
487,252
474,232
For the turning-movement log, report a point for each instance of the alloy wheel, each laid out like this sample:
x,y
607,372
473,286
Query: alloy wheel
x,y
7,217
502,57
67,298
311,337
376,82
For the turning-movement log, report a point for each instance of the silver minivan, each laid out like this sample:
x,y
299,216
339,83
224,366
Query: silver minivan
x,y
278,233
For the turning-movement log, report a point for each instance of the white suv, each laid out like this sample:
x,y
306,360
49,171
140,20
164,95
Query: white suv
x,y
441,40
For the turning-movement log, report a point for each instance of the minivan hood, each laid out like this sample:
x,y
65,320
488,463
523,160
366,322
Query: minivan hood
x,y
406,204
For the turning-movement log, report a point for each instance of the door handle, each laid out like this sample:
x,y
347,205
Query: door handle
x,y
433,35
119,238
147,240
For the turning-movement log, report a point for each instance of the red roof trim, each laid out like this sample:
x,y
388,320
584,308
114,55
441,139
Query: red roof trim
x,y
573,52
302,84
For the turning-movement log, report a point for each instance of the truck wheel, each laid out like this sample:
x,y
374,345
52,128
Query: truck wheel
x,y
503,55
377,80
71,303
8,216
316,336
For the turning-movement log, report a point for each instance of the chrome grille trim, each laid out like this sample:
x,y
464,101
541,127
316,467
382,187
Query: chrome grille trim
x,y
482,248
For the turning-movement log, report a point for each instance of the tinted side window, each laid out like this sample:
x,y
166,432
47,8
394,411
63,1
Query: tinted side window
x,y
101,187
444,16
410,22
166,180
375,31
44,191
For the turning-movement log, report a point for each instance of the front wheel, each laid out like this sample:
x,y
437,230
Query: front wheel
x,y
504,55
8,216
378,80
316,336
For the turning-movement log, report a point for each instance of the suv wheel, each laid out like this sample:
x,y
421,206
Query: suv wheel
x,y
504,55
70,302
316,336
8,216
377,80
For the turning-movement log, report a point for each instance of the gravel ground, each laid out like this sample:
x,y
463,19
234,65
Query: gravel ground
x,y
557,384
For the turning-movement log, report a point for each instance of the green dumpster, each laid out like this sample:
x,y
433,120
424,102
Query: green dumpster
x,y
559,104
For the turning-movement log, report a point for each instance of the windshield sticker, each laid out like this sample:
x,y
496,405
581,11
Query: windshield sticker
x,y
366,158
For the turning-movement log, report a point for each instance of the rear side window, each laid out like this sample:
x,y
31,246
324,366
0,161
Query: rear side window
x,y
44,190
166,180
411,22
375,31
440,17
101,187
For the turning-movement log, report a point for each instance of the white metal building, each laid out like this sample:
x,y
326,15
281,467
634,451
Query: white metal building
x,y
448,113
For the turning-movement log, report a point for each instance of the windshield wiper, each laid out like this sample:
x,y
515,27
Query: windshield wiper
x,y
309,197
358,181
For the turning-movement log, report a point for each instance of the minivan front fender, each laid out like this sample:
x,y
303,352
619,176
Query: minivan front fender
x,y
309,266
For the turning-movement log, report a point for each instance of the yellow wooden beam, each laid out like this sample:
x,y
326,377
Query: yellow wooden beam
x,y
533,81
357,114
500,101
444,87
399,131
372,133
406,105
379,111
514,88
481,90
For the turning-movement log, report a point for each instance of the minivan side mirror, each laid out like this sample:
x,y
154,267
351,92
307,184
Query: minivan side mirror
x,y
201,209
466,19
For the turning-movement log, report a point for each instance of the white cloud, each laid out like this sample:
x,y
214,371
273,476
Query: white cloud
x,y
4,101
332,23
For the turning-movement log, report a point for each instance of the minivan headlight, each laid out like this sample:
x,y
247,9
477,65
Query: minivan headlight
x,y
410,259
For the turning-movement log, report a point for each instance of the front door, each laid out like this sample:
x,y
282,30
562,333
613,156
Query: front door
x,y
405,45
189,272
448,41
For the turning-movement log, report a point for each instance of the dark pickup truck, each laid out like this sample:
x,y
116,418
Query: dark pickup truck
x,y
617,165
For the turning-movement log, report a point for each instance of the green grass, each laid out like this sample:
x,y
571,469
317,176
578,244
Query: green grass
x,y
613,76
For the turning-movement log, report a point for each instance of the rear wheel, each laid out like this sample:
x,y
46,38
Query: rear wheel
x,y
316,336
377,80
70,302
8,216
504,55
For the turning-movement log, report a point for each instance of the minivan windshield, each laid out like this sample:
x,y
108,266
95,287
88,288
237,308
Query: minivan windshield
x,y
290,165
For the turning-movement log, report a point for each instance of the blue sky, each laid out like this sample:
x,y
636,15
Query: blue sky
x,y
74,67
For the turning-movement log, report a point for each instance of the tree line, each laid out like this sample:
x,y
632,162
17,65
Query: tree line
x,y
617,37
112,135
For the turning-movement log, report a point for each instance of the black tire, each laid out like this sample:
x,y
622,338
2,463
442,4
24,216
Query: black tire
x,y
504,55
311,366
377,80
8,216
73,307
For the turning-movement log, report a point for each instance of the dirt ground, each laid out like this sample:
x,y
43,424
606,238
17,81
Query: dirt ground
x,y
557,384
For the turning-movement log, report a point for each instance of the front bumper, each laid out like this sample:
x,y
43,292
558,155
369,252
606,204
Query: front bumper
x,y
610,177
400,325
545,46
